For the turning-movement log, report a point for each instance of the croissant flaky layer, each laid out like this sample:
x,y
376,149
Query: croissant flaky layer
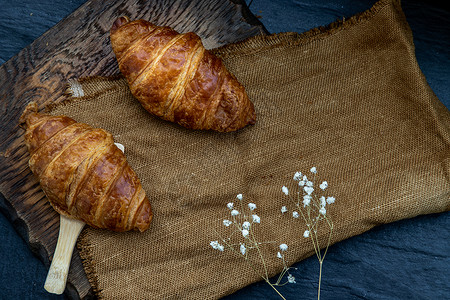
x,y
83,173
175,78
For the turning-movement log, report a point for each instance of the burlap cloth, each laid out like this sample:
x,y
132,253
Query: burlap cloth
x,y
349,99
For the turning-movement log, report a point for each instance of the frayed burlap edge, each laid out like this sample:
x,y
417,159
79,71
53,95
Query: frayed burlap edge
x,y
265,42
85,250
74,90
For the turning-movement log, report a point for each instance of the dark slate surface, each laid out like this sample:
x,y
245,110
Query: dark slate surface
x,y
408,259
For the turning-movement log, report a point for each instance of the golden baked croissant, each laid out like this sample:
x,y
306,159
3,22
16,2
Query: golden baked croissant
x,y
83,173
175,78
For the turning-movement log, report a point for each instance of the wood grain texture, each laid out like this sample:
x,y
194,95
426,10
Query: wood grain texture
x,y
76,47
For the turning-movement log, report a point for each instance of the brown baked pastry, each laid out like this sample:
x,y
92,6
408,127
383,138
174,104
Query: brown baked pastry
x,y
175,78
83,173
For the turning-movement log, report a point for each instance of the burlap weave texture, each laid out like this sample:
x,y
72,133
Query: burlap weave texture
x,y
350,100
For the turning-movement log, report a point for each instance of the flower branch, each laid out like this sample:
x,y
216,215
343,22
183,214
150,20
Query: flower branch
x,y
242,241
313,210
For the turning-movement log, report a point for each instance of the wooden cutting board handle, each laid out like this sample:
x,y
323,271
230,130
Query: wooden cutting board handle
x,y
69,230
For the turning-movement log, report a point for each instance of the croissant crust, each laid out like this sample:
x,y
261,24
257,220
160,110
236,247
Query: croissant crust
x,y
175,78
83,173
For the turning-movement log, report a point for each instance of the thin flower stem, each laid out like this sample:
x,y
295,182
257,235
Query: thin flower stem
x,y
285,269
230,246
279,294
320,279
266,278
316,244
329,241
260,254
243,212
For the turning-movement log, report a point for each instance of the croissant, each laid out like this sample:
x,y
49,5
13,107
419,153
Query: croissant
x,y
83,173
175,78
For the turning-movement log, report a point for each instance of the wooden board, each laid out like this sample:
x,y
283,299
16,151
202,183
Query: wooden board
x,y
76,47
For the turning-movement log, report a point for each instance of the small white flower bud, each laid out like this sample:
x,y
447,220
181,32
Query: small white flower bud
x,y
256,219
214,244
297,175
309,190
323,185
306,200
306,233
322,211
291,279
246,225
285,190
252,206
283,247
313,170
330,200
230,205
217,246
279,255
243,249
322,201
227,222
284,209
234,212
239,196
245,232
295,214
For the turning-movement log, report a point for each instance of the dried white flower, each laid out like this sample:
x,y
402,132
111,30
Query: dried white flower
x,y
295,214
216,245
291,279
306,233
309,183
322,201
301,183
308,190
279,255
283,209
245,232
234,212
243,249
306,200
246,225
297,175
323,185
256,219
285,190
230,205
330,200
322,211
283,247
227,222
239,196
252,206
313,170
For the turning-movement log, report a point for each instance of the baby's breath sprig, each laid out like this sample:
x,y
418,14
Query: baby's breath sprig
x,y
312,208
243,242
